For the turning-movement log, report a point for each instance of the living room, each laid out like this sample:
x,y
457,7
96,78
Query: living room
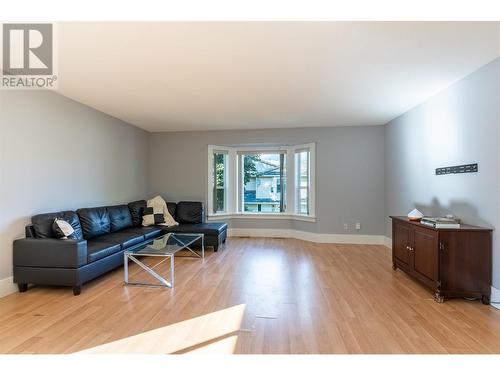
x,y
249,186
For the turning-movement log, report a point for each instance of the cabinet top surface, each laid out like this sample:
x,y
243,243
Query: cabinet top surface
x,y
463,227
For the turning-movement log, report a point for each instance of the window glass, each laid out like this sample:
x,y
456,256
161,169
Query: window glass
x,y
302,181
219,198
262,179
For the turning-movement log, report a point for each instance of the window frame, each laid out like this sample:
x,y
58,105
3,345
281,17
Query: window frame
x,y
224,185
234,189
298,180
311,147
212,150
241,201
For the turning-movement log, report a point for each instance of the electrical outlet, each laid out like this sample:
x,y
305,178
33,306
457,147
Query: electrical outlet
x,y
346,226
358,226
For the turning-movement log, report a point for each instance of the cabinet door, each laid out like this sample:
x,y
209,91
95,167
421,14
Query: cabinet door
x,y
424,262
401,234
465,261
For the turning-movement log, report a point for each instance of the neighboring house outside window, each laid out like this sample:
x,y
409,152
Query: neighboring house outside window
x,y
260,192
262,182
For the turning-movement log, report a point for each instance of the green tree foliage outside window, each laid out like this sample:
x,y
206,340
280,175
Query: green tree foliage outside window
x,y
219,163
249,171
219,170
249,168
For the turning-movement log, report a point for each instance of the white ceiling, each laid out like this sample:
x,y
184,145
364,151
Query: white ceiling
x,y
165,76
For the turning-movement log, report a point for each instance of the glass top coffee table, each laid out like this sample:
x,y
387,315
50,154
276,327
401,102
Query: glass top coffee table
x,y
164,247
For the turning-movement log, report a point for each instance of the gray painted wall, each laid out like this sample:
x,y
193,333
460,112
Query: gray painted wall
x,y
347,158
459,125
58,154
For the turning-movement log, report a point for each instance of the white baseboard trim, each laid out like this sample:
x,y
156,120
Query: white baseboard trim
x,y
360,239
495,297
388,242
7,286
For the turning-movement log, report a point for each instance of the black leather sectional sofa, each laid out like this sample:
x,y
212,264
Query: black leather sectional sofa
x,y
101,236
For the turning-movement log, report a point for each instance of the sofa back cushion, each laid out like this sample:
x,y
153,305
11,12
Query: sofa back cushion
x,y
136,211
95,221
189,212
172,208
42,224
29,231
119,217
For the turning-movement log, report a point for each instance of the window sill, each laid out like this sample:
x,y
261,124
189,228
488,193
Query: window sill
x,y
260,216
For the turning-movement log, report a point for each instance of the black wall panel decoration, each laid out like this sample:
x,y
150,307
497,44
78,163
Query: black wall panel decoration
x,y
464,168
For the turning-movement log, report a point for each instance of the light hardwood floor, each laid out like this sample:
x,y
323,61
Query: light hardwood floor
x,y
253,296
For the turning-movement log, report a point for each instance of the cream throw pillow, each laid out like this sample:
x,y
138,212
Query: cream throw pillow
x,y
159,206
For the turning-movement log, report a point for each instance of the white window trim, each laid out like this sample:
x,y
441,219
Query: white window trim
x,y
312,177
232,185
229,199
269,216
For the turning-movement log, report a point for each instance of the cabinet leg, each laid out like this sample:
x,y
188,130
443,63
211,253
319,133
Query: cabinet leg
x,y
485,299
77,289
394,267
439,298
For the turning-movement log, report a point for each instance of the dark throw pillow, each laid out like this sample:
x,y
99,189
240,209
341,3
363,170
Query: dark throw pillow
x,y
62,229
136,211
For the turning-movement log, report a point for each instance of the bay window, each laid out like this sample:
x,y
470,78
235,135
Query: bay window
x,y
263,182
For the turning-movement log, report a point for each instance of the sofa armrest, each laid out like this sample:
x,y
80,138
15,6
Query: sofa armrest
x,y
50,252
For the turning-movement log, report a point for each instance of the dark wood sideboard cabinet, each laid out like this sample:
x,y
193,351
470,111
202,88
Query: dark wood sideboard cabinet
x,y
451,262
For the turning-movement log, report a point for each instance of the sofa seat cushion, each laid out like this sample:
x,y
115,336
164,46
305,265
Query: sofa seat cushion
x,y
148,232
209,229
97,249
124,238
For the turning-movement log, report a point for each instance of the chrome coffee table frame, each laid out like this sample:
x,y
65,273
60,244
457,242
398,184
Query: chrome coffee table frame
x,y
166,254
